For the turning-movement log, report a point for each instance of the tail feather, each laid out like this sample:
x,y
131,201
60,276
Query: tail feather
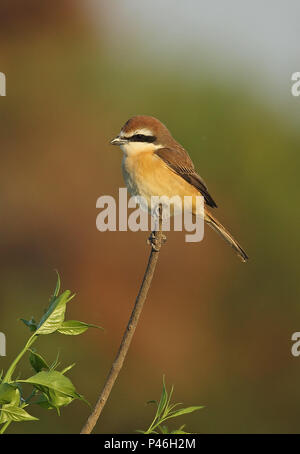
x,y
219,228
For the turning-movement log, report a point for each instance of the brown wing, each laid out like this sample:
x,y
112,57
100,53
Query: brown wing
x,y
179,161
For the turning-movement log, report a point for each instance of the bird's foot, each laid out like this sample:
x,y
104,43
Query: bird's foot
x,y
156,240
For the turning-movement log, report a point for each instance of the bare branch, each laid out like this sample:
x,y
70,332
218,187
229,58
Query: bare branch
x,y
156,241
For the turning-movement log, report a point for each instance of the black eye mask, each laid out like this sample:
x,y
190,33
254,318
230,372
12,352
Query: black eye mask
x,y
141,138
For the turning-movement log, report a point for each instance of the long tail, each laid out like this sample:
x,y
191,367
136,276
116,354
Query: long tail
x,y
219,228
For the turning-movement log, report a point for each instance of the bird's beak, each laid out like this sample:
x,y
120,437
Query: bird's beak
x,y
118,141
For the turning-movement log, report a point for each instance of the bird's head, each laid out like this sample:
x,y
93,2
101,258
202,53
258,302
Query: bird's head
x,y
143,133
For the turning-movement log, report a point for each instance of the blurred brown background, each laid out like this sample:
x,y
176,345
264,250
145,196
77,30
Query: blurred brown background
x,y
219,330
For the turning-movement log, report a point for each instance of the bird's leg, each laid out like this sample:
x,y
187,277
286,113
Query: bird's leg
x,y
152,241
157,238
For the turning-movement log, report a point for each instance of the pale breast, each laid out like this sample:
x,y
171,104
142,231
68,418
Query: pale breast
x,y
147,175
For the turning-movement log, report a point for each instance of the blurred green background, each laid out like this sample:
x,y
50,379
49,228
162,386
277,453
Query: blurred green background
x,y
219,330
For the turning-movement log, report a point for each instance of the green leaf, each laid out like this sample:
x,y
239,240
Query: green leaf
x,y
32,324
44,402
172,406
57,288
37,361
163,400
55,314
53,380
9,394
74,327
16,414
58,399
184,411
168,406
55,363
66,369
46,382
53,399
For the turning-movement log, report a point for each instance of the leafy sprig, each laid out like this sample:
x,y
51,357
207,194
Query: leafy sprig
x,y
51,388
166,411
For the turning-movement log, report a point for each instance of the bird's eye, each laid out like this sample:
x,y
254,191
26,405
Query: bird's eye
x,y
142,138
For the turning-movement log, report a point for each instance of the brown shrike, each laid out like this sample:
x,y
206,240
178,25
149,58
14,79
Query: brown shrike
x,y
154,164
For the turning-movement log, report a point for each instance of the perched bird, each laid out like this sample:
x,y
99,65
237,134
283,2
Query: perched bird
x,y
155,164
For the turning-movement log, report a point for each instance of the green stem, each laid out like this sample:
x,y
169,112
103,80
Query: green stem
x,y
152,426
11,369
30,396
13,365
4,427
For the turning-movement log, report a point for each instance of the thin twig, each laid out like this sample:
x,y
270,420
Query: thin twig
x,y
156,243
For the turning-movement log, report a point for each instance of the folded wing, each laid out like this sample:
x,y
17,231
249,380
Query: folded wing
x,y
179,162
